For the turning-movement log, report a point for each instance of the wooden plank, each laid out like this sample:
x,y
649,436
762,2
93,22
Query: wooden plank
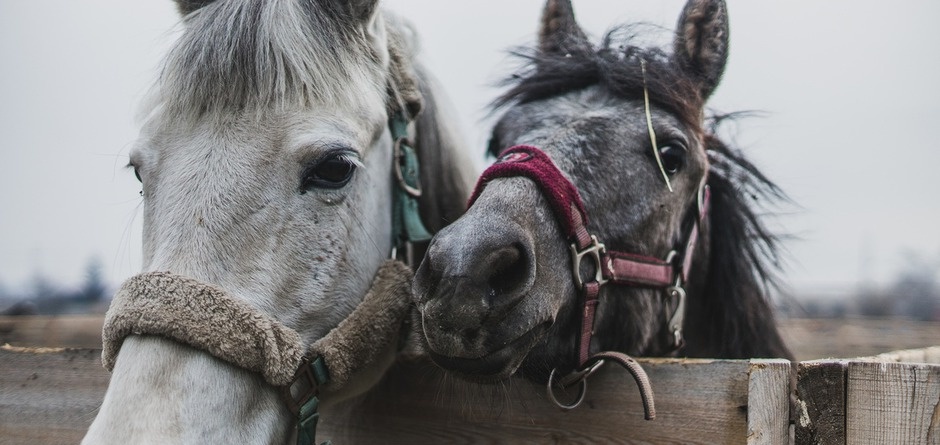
x,y
697,402
49,396
893,403
768,413
819,416
63,331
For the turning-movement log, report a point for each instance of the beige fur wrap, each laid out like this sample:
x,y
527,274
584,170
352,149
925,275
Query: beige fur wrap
x,y
205,317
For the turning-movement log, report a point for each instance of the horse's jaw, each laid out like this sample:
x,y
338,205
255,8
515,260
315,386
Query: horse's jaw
x,y
163,392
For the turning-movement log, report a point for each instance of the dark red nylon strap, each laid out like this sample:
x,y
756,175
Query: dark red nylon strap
x,y
591,291
637,270
615,267
639,375
703,199
565,202
562,196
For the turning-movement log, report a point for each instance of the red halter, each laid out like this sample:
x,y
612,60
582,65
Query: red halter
x,y
610,266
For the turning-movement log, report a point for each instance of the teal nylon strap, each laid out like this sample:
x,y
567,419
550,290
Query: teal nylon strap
x,y
307,415
407,226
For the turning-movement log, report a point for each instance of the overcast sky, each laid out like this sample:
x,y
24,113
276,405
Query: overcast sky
x,y
849,89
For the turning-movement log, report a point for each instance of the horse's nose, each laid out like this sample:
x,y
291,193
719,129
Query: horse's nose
x,y
481,273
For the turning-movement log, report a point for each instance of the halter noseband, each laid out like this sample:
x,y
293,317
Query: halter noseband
x,y
610,267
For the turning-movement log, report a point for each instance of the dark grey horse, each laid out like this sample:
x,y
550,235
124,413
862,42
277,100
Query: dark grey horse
x,y
626,125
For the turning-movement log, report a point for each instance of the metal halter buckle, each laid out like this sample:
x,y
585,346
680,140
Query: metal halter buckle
x,y
595,250
578,377
306,385
399,153
675,322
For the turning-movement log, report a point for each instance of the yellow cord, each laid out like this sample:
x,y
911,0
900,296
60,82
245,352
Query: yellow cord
x,y
649,125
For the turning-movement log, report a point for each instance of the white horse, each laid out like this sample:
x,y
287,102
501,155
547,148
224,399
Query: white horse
x,y
265,162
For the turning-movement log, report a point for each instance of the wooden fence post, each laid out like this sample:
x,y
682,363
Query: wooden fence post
x,y
893,403
768,407
820,403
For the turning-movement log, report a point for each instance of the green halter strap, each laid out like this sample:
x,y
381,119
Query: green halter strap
x,y
312,374
407,227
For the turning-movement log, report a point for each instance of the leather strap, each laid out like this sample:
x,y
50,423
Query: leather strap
x,y
639,375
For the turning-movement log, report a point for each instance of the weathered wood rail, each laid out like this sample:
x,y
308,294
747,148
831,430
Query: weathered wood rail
x,y
888,398
50,396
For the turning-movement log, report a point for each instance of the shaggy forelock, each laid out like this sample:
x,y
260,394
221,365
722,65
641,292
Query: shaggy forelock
x,y
248,54
616,65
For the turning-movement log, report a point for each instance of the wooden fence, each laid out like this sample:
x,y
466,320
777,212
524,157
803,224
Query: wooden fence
x,y
50,396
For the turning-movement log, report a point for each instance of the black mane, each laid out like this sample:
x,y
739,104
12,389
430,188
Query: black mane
x,y
731,315
615,65
733,318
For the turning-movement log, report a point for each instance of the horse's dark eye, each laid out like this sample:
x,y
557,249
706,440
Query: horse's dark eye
x,y
673,157
332,172
136,169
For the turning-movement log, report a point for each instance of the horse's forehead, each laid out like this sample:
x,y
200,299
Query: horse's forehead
x,y
262,134
588,119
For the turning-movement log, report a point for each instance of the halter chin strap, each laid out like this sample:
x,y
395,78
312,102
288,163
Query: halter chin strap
x,y
610,267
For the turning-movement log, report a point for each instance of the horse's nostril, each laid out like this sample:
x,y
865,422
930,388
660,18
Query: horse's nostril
x,y
510,274
426,281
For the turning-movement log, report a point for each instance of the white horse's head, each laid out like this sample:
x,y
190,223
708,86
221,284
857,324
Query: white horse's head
x,y
265,161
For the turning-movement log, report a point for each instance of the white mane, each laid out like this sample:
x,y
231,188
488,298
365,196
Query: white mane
x,y
252,55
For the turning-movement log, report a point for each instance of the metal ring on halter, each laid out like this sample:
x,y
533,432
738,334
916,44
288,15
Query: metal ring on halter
x,y
414,192
580,374
582,392
675,322
594,251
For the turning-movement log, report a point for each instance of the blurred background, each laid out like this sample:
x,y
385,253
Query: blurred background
x,y
845,89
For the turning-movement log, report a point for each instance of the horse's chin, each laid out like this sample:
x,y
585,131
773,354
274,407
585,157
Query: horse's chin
x,y
495,366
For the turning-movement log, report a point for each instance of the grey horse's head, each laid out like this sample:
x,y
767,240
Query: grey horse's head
x,y
266,169
495,290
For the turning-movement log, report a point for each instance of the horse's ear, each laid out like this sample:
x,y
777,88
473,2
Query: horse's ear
x,y
701,45
559,32
361,11
187,6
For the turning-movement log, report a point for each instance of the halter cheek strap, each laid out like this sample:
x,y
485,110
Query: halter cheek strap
x,y
407,226
613,266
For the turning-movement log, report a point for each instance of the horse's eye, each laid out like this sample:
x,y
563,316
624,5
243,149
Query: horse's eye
x,y
332,172
673,157
136,170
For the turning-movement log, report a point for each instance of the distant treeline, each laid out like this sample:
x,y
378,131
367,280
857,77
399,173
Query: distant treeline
x,y
914,293
44,296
